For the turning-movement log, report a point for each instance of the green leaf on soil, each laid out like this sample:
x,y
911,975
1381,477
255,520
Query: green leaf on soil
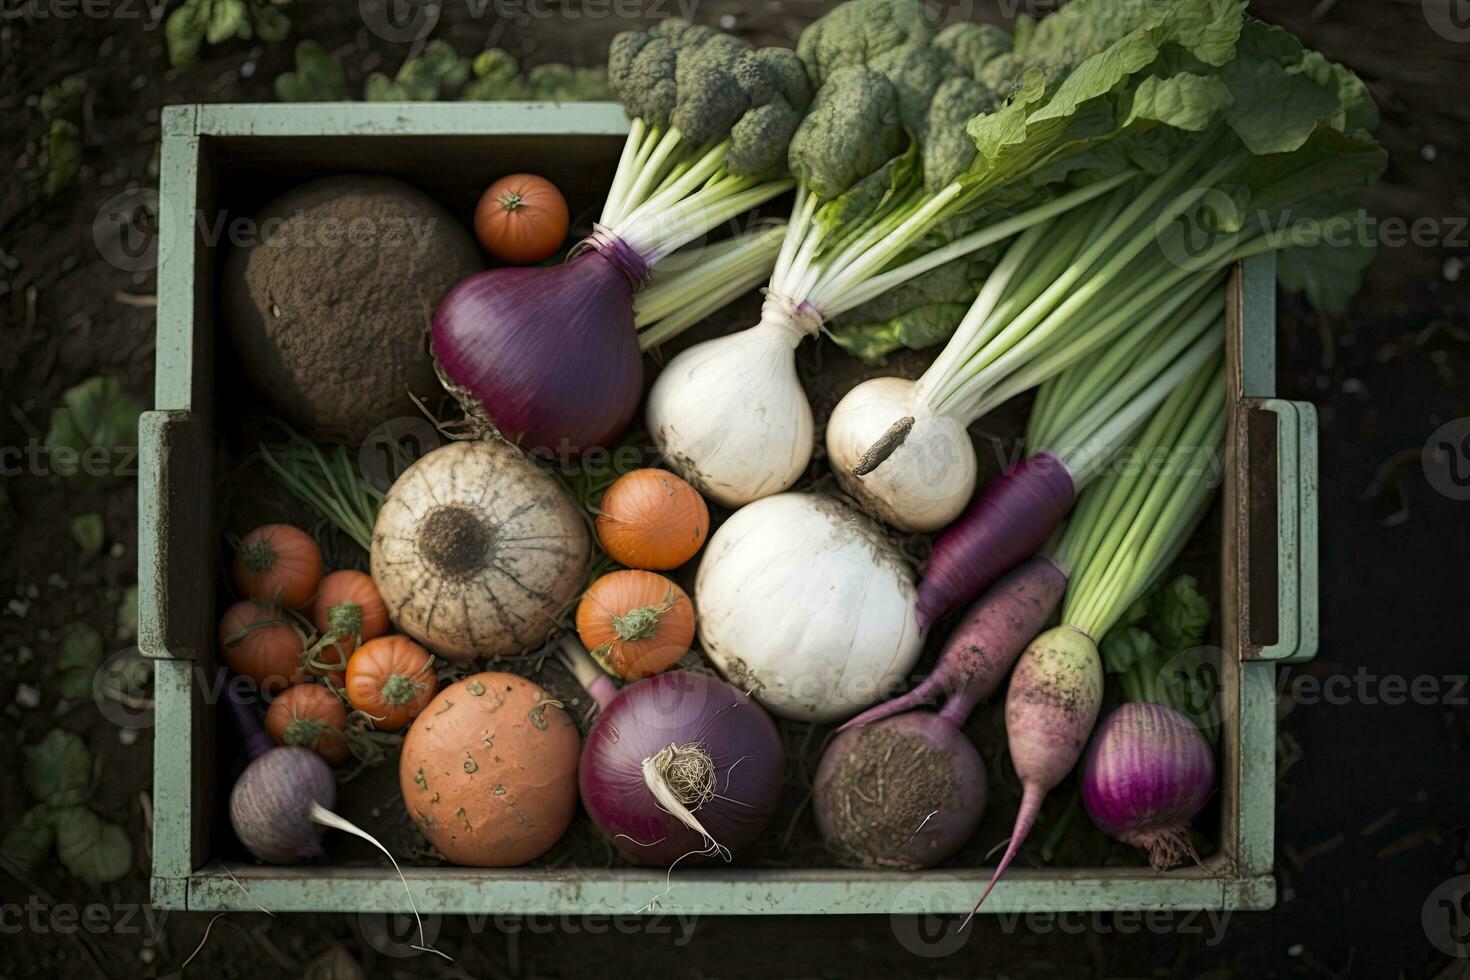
x,y
319,77
96,415
90,847
63,155
58,769
29,842
127,614
86,531
272,24
77,660
63,97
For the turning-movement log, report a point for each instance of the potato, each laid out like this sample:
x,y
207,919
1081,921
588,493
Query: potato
x,y
330,295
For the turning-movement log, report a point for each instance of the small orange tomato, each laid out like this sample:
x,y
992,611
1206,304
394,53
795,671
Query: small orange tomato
x,y
390,679
635,623
348,610
652,519
311,716
521,219
258,641
278,563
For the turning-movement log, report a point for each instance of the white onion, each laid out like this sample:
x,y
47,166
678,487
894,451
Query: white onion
x,y
730,415
809,606
927,481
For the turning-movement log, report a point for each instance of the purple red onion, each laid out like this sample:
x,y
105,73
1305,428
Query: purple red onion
x,y
548,353
1146,775
678,766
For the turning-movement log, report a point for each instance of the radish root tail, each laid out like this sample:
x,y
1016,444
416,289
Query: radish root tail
x,y
928,688
1030,809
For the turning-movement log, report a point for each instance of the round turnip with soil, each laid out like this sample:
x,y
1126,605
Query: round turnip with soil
x,y
476,549
904,793
330,302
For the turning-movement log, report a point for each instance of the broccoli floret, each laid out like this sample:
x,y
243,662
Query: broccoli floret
x,y
642,74
857,32
758,141
709,85
949,150
765,73
710,100
915,70
973,46
853,128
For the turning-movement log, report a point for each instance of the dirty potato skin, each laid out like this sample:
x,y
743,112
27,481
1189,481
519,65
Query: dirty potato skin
x,y
329,305
476,549
489,771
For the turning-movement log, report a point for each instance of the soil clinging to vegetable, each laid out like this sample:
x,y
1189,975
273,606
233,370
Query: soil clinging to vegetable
x,y
329,302
889,786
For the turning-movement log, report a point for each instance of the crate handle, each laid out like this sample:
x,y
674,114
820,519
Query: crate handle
x,y
1279,547
173,532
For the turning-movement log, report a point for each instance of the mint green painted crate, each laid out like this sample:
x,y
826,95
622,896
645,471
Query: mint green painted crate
x,y
1268,564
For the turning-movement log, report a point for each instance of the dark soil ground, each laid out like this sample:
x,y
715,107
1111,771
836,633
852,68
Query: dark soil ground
x,y
1373,805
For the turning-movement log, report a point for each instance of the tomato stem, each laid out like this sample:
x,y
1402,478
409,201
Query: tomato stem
x,y
510,200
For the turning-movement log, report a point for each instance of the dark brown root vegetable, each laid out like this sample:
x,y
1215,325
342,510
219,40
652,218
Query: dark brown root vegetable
x,y
905,793
476,549
329,301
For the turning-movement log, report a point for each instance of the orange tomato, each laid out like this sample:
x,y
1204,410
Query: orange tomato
x,y
635,623
348,610
278,563
311,716
652,519
390,679
521,218
259,641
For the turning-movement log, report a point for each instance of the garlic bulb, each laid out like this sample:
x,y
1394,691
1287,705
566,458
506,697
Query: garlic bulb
x,y
730,415
925,483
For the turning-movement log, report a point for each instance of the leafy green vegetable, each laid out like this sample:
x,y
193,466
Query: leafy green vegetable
x,y
435,74
96,417
90,847
58,769
63,155
29,841
86,531
1180,614
917,314
77,660
127,613
1155,651
1125,647
64,97
915,329
195,23
319,77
